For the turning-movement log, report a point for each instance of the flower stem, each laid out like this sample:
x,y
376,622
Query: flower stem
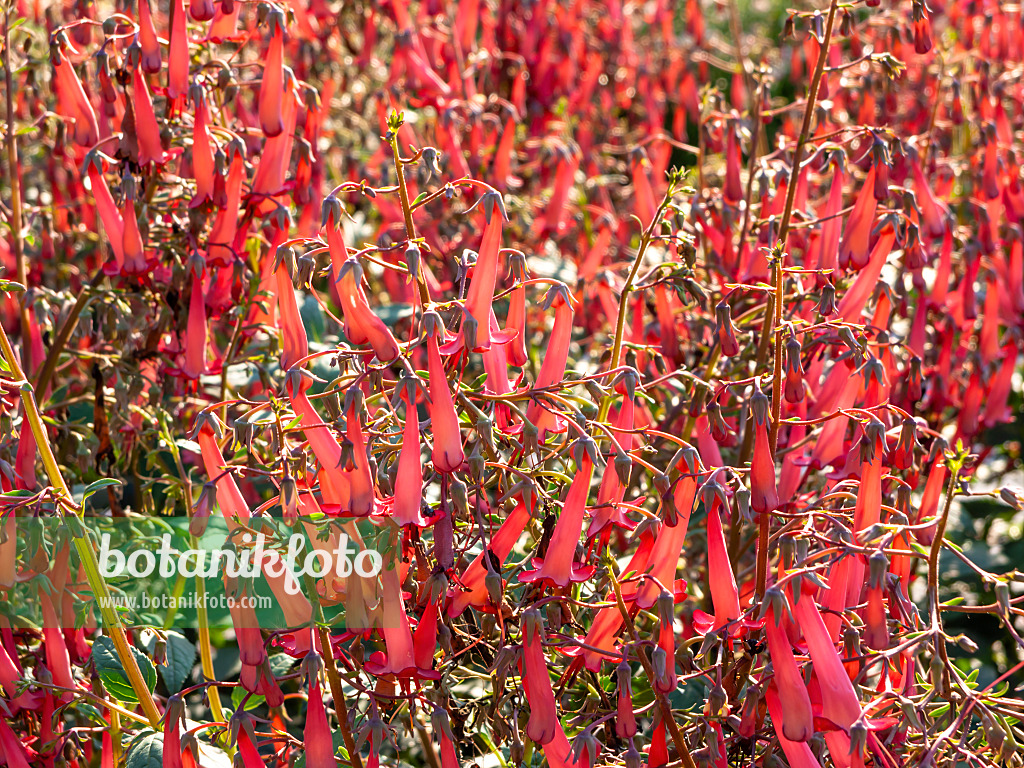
x,y
111,621
773,318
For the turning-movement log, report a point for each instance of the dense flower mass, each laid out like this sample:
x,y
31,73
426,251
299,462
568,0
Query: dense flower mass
x,y
652,347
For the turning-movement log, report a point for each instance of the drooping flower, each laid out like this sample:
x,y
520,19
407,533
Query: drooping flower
x,y
408,503
447,453
796,714
177,68
552,369
559,565
725,595
272,85
543,720
316,735
293,331
148,40
203,147
195,338
763,495
147,130
475,332
362,326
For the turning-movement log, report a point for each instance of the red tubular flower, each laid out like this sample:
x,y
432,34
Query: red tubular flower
x,y
177,67
474,589
447,453
857,235
552,369
559,565
613,484
131,242
172,733
646,205
148,40
534,669
798,753
832,227
195,335
441,726
361,500
725,331
272,86
795,389
733,189
796,716
564,177
665,680
400,659
408,504
625,719
293,332
334,486
271,173
424,640
220,244
475,332
316,735
997,408
856,297
203,167
933,210
839,698
501,170
725,595
147,130
764,497
876,633
76,102
110,216
361,324
58,660
11,747
516,320
668,545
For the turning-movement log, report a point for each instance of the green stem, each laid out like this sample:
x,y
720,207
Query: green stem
x,y
111,621
14,182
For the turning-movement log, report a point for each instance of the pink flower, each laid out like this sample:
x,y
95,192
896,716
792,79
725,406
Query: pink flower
x,y
552,369
447,453
148,41
316,735
543,721
147,130
272,87
203,166
408,504
195,335
763,495
177,80
725,596
797,719
361,324
559,566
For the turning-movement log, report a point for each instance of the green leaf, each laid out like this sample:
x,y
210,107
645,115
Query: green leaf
x,y
111,672
99,485
238,693
146,752
181,655
281,664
